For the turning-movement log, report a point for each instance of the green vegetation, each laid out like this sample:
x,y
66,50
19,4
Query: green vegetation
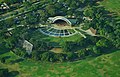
x,y
60,39
112,5
102,66
74,47
77,56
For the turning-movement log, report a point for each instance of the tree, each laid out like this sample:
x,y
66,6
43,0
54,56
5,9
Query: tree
x,y
88,12
4,72
43,16
36,55
27,4
50,9
81,53
66,46
96,50
20,51
71,56
32,18
12,1
45,56
3,60
103,43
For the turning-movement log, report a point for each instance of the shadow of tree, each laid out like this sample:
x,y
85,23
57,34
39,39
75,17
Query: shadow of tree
x,y
3,59
6,73
16,61
6,57
3,50
13,73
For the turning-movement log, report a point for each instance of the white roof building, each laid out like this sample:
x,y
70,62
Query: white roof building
x,y
4,6
53,19
28,46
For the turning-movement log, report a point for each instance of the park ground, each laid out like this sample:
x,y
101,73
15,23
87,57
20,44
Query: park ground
x,y
112,5
106,65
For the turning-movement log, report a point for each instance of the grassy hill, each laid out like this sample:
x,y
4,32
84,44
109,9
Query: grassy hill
x,y
112,5
103,66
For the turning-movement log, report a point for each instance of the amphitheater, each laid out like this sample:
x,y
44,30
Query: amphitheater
x,y
60,26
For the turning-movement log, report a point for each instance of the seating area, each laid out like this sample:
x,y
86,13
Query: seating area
x,y
58,26
51,31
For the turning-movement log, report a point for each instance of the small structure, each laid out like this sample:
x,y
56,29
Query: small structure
x,y
4,6
91,32
28,46
26,0
8,34
87,18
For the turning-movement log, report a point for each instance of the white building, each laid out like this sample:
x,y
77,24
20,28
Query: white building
x,y
28,46
53,19
4,6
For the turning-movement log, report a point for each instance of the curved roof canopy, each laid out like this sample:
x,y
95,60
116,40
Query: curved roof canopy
x,y
53,19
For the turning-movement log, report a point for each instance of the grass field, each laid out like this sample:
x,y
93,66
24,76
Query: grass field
x,y
65,39
112,5
103,66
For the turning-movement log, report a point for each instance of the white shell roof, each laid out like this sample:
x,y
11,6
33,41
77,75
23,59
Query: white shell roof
x,y
53,19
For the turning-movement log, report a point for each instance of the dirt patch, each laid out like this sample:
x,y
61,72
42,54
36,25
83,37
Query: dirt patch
x,y
57,50
34,68
68,70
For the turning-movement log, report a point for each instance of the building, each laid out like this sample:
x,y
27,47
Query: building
x,y
59,18
28,46
4,6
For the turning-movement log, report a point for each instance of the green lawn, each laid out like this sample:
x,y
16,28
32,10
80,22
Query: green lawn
x,y
103,66
73,38
112,5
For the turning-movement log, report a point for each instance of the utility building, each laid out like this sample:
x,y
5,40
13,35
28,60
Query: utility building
x,y
28,46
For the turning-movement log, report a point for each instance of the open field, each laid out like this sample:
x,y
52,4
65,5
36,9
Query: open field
x,y
102,66
112,5
59,39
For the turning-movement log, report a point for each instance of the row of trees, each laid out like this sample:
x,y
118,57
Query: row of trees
x,y
71,50
48,8
105,22
6,73
44,9
11,1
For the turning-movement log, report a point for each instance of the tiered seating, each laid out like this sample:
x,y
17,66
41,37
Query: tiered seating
x,y
56,32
